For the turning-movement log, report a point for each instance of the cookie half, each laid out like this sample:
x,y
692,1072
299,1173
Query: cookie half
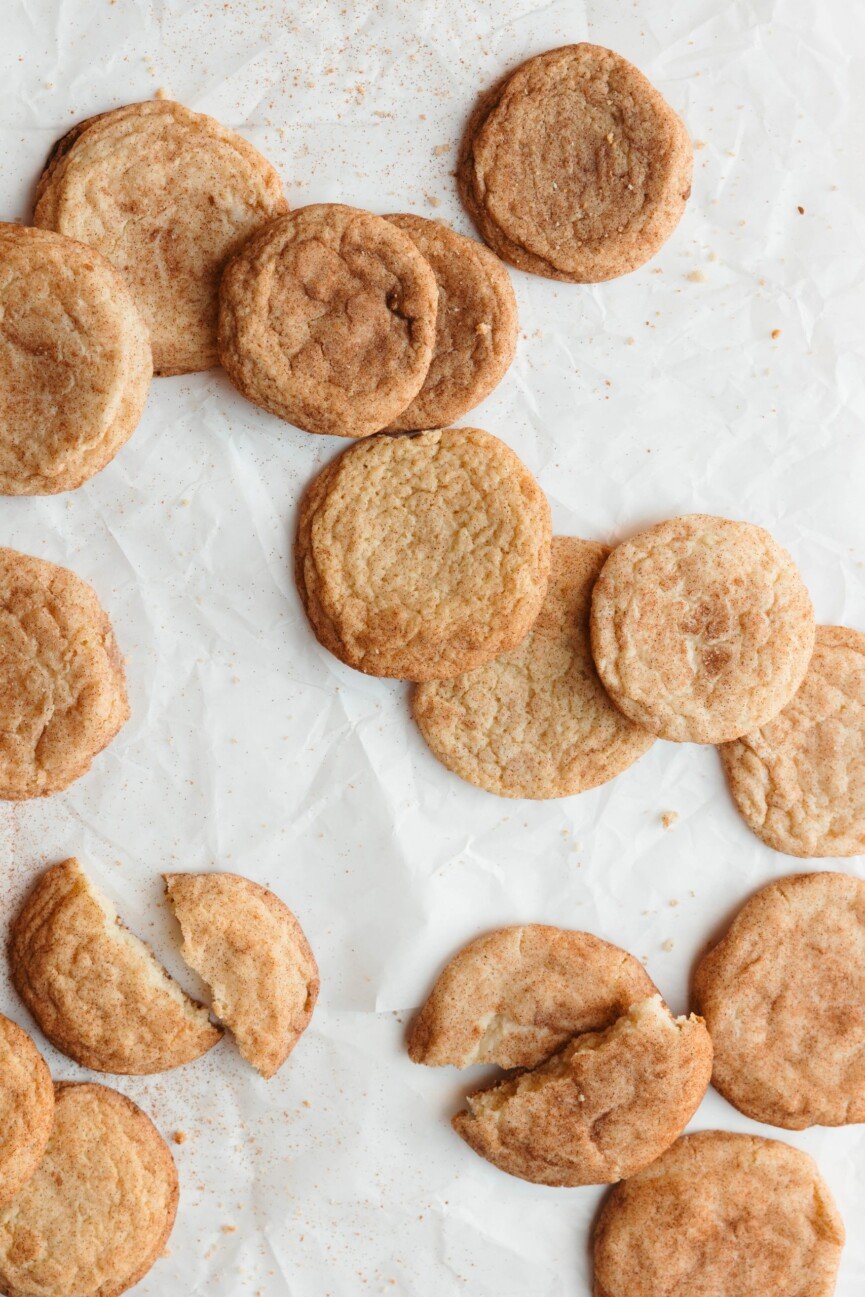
x,y
720,1215
62,683
799,781
421,557
476,325
26,1108
702,628
167,195
251,951
536,722
328,319
783,995
94,988
75,363
574,167
98,1212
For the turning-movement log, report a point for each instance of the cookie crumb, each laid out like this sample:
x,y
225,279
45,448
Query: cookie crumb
x,y
179,1137
668,819
432,200
776,333
696,277
667,945
801,211
229,1229
441,149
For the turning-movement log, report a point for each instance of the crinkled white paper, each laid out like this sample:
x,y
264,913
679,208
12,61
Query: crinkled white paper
x,y
250,748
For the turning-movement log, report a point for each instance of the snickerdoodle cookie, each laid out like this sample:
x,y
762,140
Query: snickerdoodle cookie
x,y
75,362
328,319
167,195
476,325
62,683
702,628
251,951
536,722
26,1108
783,995
602,1108
95,989
720,1215
574,166
799,782
423,556
98,1212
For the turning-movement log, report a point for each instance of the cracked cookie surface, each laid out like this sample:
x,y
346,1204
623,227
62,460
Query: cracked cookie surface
x,y
62,683
574,167
536,722
720,1215
701,628
328,320
783,994
75,363
167,195
26,1108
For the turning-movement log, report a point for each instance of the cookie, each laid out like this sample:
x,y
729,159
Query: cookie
x,y
702,628
62,682
720,1215
75,363
516,995
167,195
26,1108
96,991
476,325
783,995
600,1110
537,721
98,1212
423,557
328,319
251,951
799,781
574,167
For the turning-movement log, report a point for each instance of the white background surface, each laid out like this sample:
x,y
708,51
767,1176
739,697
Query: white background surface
x,y
251,749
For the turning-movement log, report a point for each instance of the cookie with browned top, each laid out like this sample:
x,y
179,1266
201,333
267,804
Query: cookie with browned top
x,y
701,628
328,319
26,1108
167,195
574,166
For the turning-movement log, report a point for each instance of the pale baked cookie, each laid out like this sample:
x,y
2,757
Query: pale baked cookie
x,y
600,1110
98,1212
328,319
574,167
423,557
702,628
516,995
476,325
720,1215
95,989
536,722
783,995
62,683
26,1108
251,951
167,195
75,362
799,782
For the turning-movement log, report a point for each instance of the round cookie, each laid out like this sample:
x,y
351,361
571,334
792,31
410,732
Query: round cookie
x,y
574,167
600,1110
701,628
251,951
799,782
75,363
720,1215
783,995
515,995
328,319
421,557
167,195
26,1108
536,722
98,1212
476,325
62,683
